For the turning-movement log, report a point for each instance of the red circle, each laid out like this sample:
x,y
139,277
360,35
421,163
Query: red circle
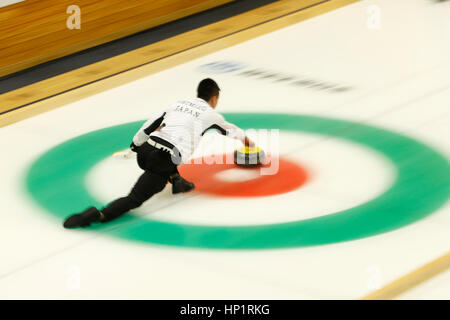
x,y
289,177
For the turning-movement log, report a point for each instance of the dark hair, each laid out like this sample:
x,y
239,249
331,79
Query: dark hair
x,y
207,88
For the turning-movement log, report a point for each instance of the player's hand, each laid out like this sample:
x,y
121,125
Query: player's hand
x,y
248,142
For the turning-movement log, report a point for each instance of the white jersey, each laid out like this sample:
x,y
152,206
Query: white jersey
x,y
184,123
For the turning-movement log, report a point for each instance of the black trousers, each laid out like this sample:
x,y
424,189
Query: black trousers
x,y
158,167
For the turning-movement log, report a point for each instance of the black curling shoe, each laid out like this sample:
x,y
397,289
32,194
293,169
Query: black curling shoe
x,y
179,184
82,219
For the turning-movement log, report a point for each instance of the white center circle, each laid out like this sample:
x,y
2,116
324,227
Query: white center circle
x,y
237,175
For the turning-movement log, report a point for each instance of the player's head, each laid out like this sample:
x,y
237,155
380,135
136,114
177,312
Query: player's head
x,y
208,90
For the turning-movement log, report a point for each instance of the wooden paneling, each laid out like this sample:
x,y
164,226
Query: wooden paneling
x,y
45,95
35,31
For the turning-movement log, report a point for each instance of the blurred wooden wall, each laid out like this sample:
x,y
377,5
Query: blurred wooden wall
x,y
35,31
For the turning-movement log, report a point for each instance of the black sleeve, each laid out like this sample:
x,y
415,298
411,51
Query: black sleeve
x,y
154,125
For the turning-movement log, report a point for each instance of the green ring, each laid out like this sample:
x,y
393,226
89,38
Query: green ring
x,y
56,180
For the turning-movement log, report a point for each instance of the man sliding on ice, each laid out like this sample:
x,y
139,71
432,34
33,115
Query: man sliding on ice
x,y
162,144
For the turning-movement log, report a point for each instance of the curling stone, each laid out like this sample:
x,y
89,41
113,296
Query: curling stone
x,y
249,156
